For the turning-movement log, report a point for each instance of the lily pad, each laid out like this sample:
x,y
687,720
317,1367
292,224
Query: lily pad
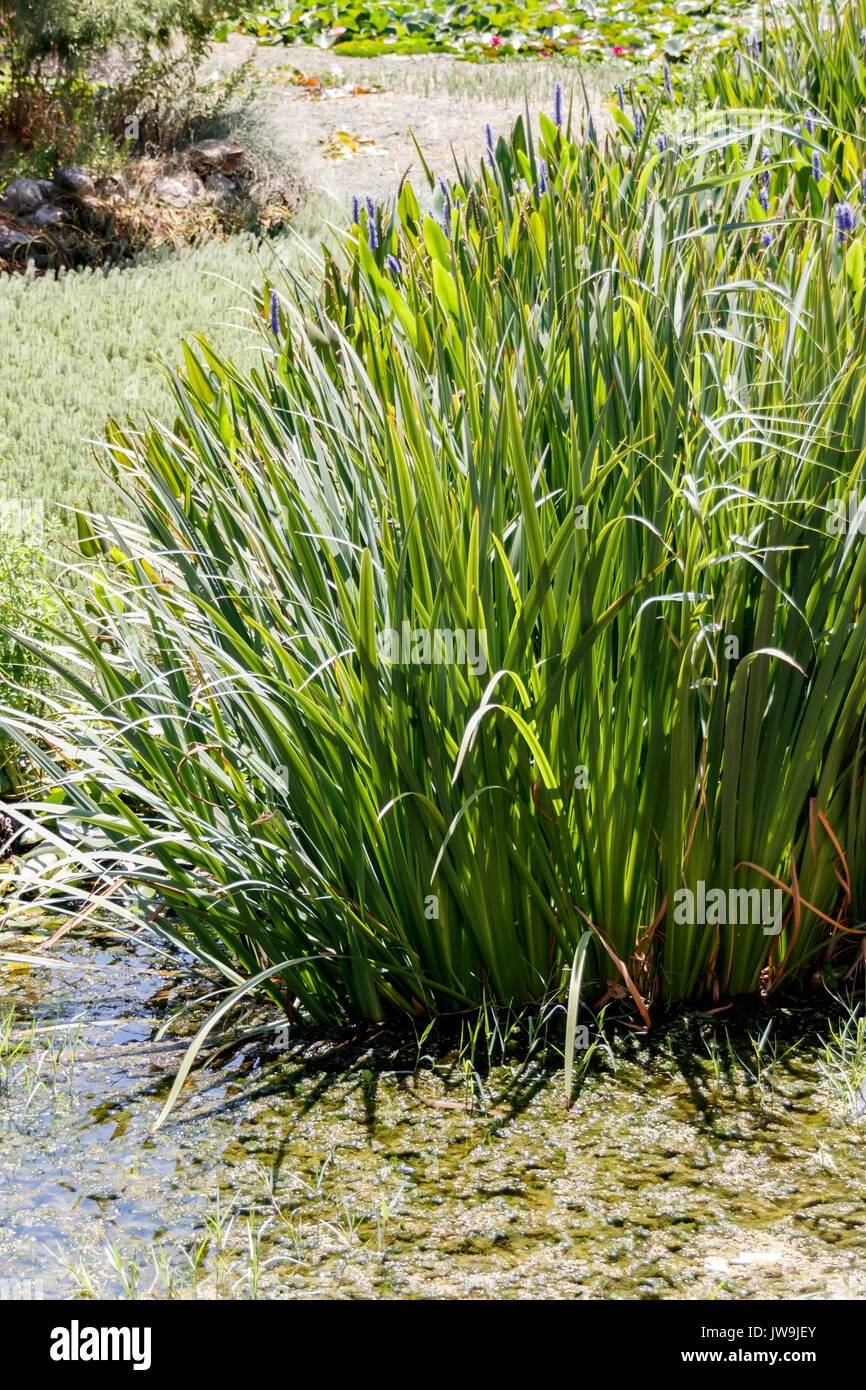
x,y
503,28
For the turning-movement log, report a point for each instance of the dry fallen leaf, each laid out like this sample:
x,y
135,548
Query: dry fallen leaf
x,y
342,145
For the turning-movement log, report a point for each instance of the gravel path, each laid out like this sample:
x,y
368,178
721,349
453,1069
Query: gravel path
x,y
381,102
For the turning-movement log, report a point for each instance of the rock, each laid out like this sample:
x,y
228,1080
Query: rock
x,y
111,185
191,180
46,188
22,196
73,179
171,191
214,156
178,190
222,187
49,216
10,237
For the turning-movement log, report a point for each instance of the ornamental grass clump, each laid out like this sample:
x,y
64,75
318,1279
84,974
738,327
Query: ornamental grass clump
x,y
509,608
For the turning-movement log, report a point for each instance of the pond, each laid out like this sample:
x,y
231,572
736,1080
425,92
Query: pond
x,y
708,1160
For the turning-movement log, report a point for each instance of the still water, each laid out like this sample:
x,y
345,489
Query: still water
x,y
699,1162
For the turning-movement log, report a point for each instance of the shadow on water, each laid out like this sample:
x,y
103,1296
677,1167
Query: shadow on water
x,y
714,1156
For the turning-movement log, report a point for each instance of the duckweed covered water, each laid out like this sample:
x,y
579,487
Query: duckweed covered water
x,y
699,1167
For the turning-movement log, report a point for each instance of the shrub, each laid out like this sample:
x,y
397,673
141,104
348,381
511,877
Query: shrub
x,y
50,103
584,408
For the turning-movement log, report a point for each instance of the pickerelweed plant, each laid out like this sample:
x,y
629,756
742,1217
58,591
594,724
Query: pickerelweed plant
x,y
589,415
808,63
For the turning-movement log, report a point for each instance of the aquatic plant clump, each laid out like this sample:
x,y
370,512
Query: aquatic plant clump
x,y
508,608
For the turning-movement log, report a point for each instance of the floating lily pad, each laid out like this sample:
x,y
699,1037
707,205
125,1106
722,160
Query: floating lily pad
x,y
503,28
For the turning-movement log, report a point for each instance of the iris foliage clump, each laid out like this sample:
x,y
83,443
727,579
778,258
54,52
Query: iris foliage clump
x,y
597,400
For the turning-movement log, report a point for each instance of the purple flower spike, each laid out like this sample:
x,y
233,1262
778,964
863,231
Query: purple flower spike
x,y
844,221
620,97
356,209
488,135
557,105
809,122
446,208
274,314
816,166
669,91
764,199
372,229
766,239
392,264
